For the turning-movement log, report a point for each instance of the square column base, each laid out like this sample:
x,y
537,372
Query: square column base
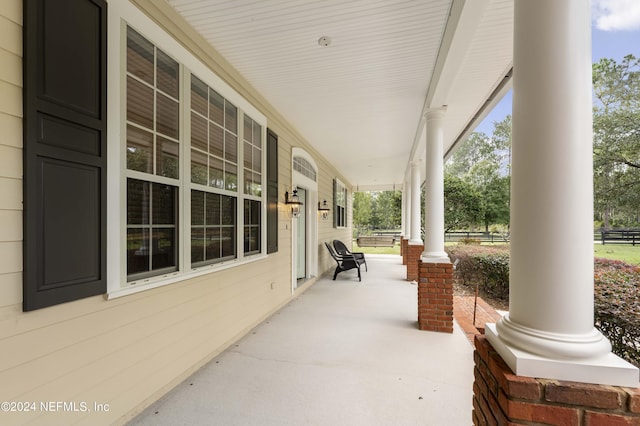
x,y
435,297
606,370
404,243
501,397
412,255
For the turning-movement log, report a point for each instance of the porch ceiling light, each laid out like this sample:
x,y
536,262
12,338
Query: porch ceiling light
x,y
324,209
324,41
294,201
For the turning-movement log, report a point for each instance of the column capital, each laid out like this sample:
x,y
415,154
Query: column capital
x,y
435,113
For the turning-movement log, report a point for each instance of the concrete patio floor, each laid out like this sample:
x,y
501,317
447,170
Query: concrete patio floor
x,y
342,353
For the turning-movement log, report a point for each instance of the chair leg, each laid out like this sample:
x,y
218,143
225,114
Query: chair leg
x,y
335,274
359,277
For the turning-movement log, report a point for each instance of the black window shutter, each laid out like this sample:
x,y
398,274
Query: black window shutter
x,y
65,173
272,192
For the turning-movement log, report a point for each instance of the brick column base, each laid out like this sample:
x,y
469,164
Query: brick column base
x,y
403,249
500,397
435,297
413,254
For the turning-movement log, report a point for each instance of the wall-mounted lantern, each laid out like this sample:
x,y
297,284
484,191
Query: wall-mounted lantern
x,y
294,202
324,209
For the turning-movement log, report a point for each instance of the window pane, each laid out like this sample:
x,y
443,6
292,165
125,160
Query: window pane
x,y
139,56
199,167
213,243
255,212
199,132
228,210
137,250
167,74
248,150
247,213
197,245
248,129
164,204
213,209
257,135
230,117
256,184
138,206
216,107
231,176
139,150
197,207
163,248
216,141
167,158
167,116
248,184
216,174
256,164
199,96
139,103
228,238
254,241
251,239
230,147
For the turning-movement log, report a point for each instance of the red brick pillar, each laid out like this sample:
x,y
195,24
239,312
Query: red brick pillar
x,y
435,297
413,253
403,249
500,397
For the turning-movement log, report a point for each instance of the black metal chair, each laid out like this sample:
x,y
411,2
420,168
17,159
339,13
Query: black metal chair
x,y
342,249
345,262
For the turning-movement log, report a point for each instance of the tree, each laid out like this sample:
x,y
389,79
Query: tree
x,y
387,209
361,211
484,162
616,137
494,192
462,203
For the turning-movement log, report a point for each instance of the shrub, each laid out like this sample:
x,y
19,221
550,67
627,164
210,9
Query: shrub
x,y
617,306
616,291
484,266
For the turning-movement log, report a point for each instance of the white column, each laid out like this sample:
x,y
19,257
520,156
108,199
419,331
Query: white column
x,y
549,330
403,221
415,237
406,202
434,191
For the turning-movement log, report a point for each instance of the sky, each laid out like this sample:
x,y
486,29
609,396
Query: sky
x,y
615,34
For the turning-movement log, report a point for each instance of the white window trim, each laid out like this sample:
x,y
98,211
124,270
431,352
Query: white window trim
x,y
121,14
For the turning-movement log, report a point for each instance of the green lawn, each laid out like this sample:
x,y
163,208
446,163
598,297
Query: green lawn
x,y
624,252
377,250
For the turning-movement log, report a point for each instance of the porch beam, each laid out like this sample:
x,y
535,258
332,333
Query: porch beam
x,y
549,331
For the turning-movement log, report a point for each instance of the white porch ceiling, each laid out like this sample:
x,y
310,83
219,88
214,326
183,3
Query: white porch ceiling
x,y
360,100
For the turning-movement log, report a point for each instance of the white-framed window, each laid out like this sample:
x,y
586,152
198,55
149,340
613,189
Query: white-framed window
x,y
214,175
340,203
192,166
152,158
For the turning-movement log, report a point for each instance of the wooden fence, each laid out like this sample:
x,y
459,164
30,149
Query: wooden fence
x,y
618,236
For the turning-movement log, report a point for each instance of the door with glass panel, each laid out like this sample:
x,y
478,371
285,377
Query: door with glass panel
x,y
301,243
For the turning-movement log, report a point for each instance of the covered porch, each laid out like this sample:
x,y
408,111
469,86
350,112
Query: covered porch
x,y
343,352
326,98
